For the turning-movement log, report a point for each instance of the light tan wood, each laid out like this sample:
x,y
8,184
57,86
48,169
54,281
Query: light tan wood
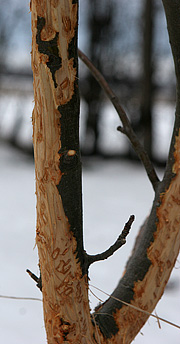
x,y
162,253
65,292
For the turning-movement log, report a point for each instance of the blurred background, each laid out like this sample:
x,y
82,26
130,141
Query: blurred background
x,y
128,42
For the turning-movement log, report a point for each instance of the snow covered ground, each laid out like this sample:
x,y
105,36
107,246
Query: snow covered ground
x,y
112,190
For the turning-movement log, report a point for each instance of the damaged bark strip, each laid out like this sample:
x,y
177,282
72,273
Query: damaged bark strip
x,y
158,244
148,269
59,208
58,172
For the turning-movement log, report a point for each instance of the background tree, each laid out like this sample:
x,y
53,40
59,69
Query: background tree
x,y
100,28
63,262
8,30
146,102
15,76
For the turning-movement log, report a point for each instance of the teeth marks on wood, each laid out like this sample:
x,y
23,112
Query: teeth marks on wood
x,y
66,23
49,48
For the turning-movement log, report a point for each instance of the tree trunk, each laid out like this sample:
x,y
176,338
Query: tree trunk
x,y
58,172
100,34
147,89
63,262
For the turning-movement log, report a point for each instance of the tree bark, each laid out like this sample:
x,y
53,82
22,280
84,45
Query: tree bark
x,y
58,172
158,244
63,262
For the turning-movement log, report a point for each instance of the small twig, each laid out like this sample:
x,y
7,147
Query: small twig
x,y
126,128
35,278
109,252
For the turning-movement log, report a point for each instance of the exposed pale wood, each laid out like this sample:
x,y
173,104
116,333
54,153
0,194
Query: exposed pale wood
x,y
162,253
65,288
65,293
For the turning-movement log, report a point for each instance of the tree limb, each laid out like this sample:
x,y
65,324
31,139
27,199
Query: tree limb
x,y
36,279
121,240
126,128
171,9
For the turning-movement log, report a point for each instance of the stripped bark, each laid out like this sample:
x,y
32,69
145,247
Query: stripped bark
x,y
149,268
59,238
157,247
58,172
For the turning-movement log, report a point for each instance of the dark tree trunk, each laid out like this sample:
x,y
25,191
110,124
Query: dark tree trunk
x,y
99,24
147,87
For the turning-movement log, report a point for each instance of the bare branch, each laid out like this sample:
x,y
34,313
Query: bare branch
x,y
121,240
126,128
35,278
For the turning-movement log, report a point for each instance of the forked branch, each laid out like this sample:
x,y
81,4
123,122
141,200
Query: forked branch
x,y
126,128
121,240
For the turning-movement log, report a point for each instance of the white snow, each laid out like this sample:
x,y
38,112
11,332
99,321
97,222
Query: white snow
x,y
112,190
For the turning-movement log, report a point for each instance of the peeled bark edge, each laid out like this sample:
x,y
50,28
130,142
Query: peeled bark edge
x,y
58,172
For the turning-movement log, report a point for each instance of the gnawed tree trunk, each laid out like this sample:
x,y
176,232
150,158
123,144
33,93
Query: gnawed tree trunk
x,y
58,171
63,262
